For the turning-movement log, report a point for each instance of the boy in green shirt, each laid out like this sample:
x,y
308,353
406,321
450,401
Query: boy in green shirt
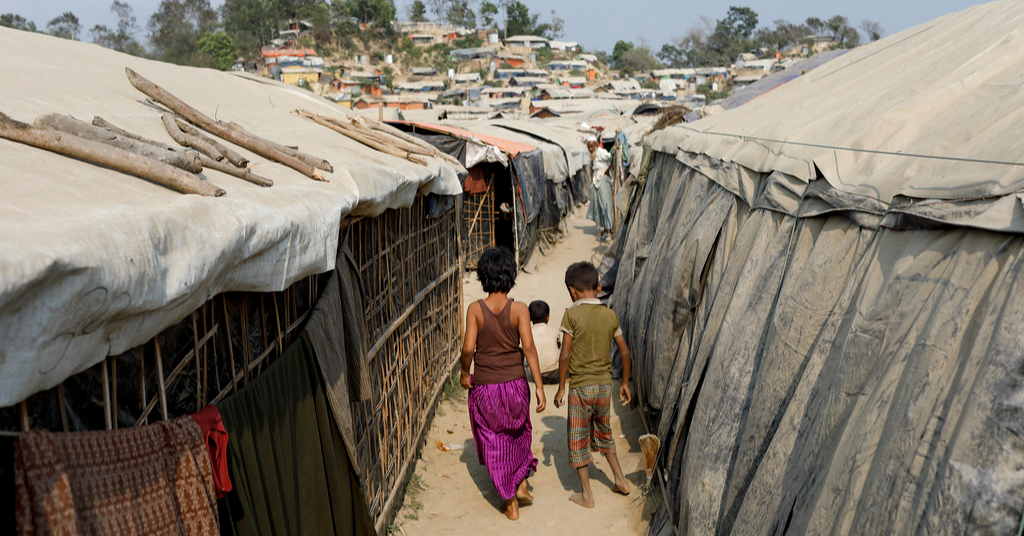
x,y
588,329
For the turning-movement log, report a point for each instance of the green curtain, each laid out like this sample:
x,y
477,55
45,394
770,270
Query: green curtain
x,y
289,467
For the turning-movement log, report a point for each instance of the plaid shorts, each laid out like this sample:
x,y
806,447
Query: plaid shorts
x,y
590,426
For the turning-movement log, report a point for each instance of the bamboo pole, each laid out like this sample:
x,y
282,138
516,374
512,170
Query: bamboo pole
x,y
317,162
105,155
103,123
354,135
238,137
230,154
616,179
388,129
187,160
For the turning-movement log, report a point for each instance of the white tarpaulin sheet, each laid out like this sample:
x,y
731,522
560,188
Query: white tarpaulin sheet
x,y
934,112
94,262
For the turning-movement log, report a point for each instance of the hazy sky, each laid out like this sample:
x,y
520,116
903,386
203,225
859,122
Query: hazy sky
x,y
596,24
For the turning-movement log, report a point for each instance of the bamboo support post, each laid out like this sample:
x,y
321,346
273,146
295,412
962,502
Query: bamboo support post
x,y
106,395
186,140
230,154
241,138
63,407
161,388
317,162
106,155
186,160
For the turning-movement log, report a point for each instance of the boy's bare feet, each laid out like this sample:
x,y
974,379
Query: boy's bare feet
x,y
511,509
523,494
579,499
622,488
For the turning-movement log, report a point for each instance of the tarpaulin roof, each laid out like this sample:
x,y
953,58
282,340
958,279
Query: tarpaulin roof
x,y
297,52
935,112
94,262
511,148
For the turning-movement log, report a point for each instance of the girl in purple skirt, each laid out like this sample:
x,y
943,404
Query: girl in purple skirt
x,y
498,334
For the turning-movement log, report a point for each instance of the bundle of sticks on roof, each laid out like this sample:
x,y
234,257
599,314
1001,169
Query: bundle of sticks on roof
x,y
176,167
380,137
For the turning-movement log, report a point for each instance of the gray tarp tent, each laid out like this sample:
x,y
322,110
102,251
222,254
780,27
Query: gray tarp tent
x,y
822,291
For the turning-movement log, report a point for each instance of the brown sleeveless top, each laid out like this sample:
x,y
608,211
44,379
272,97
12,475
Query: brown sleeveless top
x,y
498,358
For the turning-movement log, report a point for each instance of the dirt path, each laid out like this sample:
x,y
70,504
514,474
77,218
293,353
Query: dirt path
x,y
451,494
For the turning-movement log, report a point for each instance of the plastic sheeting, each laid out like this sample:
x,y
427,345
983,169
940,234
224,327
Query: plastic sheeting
x,y
94,262
810,375
829,341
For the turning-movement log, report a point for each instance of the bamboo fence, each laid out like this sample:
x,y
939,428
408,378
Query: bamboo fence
x,y
410,267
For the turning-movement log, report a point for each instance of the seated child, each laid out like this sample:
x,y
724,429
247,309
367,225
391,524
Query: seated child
x,y
588,329
546,339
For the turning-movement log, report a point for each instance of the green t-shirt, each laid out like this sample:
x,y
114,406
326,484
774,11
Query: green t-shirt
x,y
593,327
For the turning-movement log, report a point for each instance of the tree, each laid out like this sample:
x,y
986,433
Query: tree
x,y
419,11
637,60
842,33
122,38
519,21
176,28
556,30
672,55
732,33
461,14
218,49
619,51
65,26
782,35
11,20
253,23
488,14
815,25
739,23
872,29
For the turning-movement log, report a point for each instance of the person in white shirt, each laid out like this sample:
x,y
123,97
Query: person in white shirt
x,y
546,340
600,210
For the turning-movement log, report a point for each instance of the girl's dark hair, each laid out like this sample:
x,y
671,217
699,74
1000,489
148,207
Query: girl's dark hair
x,y
496,270
582,276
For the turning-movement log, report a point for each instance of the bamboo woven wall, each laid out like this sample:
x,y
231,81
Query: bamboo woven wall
x,y
478,215
410,268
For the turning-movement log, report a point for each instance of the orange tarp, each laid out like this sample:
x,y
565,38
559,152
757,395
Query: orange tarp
x,y
511,148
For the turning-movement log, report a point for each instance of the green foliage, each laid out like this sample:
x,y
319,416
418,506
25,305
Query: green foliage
x,y
177,26
65,26
637,60
419,11
389,75
122,38
519,21
319,15
218,49
672,55
872,30
469,41
460,14
12,20
620,49
842,33
649,84
705,89
253,23
543,55
488,14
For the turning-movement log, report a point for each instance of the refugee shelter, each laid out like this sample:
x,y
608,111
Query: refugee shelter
x,y
315,302
821,291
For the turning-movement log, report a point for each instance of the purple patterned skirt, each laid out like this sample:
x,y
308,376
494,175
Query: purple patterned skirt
x,y
499,414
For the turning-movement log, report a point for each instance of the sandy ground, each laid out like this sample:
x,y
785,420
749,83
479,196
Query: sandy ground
x,y
451,494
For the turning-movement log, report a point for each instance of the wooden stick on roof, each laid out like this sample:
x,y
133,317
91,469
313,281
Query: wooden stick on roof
x,y
238,137
106,155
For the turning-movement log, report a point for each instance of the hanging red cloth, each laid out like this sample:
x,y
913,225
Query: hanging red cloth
x,y
475,182
216,438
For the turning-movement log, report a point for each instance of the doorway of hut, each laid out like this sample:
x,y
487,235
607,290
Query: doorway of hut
x,y
489,211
